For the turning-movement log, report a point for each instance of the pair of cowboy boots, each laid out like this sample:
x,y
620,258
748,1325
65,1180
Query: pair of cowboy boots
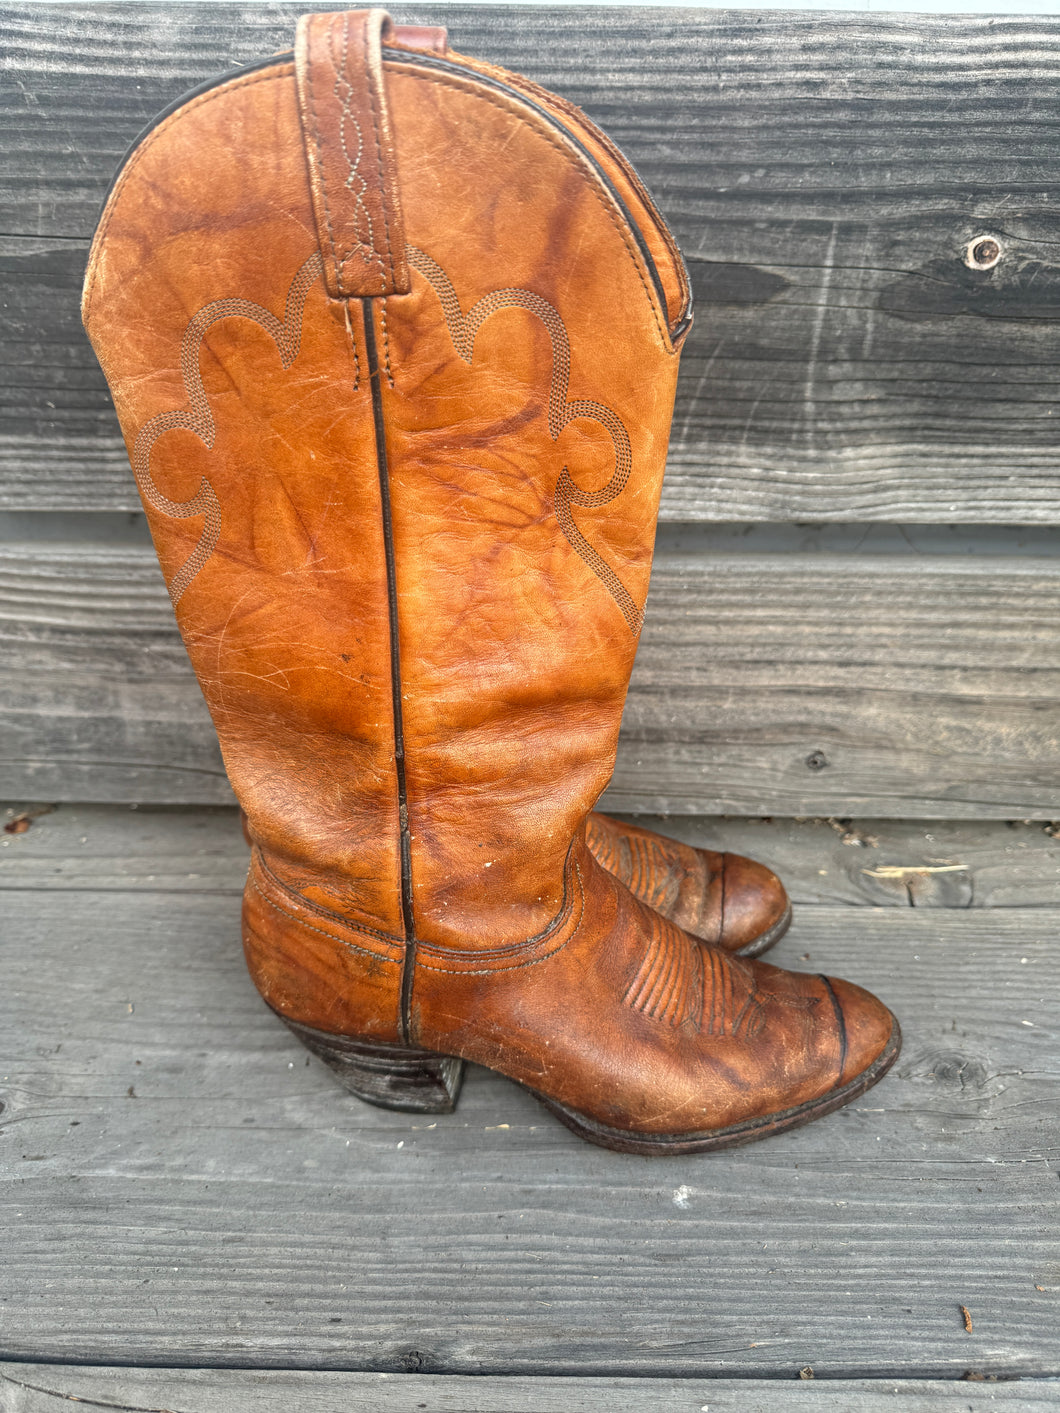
x,y
393,337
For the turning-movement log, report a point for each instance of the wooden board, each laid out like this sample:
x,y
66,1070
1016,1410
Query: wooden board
x,y
826,862
824,174
43,1388
181,1184
765,684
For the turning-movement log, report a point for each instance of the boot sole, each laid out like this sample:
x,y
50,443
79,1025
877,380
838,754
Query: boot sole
x,y
424,1082
767,939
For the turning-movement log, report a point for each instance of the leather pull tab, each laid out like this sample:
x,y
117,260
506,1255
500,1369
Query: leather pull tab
x,y
350,152
423,39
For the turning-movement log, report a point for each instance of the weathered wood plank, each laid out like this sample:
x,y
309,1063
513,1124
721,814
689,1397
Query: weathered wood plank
x,y
823,173
43,1388
821,685
825,862
181,1184
766,684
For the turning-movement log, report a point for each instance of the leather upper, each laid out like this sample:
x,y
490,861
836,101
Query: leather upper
x,y
393,341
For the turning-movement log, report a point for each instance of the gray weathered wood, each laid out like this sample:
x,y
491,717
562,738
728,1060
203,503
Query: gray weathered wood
x,y
766,684
875,862
823,174
44,1388
823,685
181,1184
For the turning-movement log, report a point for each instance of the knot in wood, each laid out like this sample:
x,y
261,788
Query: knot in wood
x,y
982,252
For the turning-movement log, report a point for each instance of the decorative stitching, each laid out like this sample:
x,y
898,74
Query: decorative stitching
x,y
386,344
319,145
641,864
363,229
684,983
515,966
462,330
286,71
197,417
319,909
557,926
654,878
572,160
668,985
383,188
353,947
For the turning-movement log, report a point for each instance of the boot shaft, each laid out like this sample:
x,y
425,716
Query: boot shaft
x,y
393,340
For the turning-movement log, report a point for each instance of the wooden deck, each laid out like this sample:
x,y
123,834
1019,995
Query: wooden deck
x,y
853,630
185,1186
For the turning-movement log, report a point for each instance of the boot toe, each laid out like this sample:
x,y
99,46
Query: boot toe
x,y
755,906
868,1031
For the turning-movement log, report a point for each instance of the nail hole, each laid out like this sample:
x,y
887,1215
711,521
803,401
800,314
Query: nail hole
x,y
816,760
982,253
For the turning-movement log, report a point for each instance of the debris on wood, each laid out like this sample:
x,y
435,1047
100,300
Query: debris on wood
x,y
902,871
849,833
22,821
806,1373
966,1315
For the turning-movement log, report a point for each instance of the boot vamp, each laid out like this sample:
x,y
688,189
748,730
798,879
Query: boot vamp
x,y
636,1025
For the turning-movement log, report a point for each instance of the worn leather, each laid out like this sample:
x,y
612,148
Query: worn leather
x,y
724,898
408,539
349,147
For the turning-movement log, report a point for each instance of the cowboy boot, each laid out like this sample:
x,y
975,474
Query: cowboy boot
x,y
393,339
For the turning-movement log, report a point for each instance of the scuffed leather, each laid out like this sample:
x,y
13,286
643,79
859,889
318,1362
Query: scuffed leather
x,y
524,390
724,898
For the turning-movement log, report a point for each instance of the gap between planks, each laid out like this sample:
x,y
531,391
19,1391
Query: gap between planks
x,y
42,1388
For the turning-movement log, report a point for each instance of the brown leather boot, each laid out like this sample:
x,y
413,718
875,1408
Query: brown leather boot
x,y
393,338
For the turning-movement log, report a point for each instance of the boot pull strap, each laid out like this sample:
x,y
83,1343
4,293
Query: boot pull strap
x,y
350,149
427,39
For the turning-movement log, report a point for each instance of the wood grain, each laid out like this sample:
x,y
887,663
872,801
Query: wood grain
x,y
44,1388
823,173
825,862
182,1184
765,684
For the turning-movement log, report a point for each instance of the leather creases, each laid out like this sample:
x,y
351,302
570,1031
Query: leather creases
x,y
196,415
561,412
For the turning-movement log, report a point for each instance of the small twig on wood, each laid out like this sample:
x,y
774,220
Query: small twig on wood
x,y
898,871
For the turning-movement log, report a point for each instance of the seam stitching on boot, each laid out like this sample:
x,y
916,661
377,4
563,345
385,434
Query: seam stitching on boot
x,y
318,908
344,941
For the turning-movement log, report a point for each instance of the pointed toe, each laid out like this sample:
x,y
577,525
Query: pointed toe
x,y
755,907
868,1036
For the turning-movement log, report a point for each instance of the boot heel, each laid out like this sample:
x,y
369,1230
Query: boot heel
x,y
391,1076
